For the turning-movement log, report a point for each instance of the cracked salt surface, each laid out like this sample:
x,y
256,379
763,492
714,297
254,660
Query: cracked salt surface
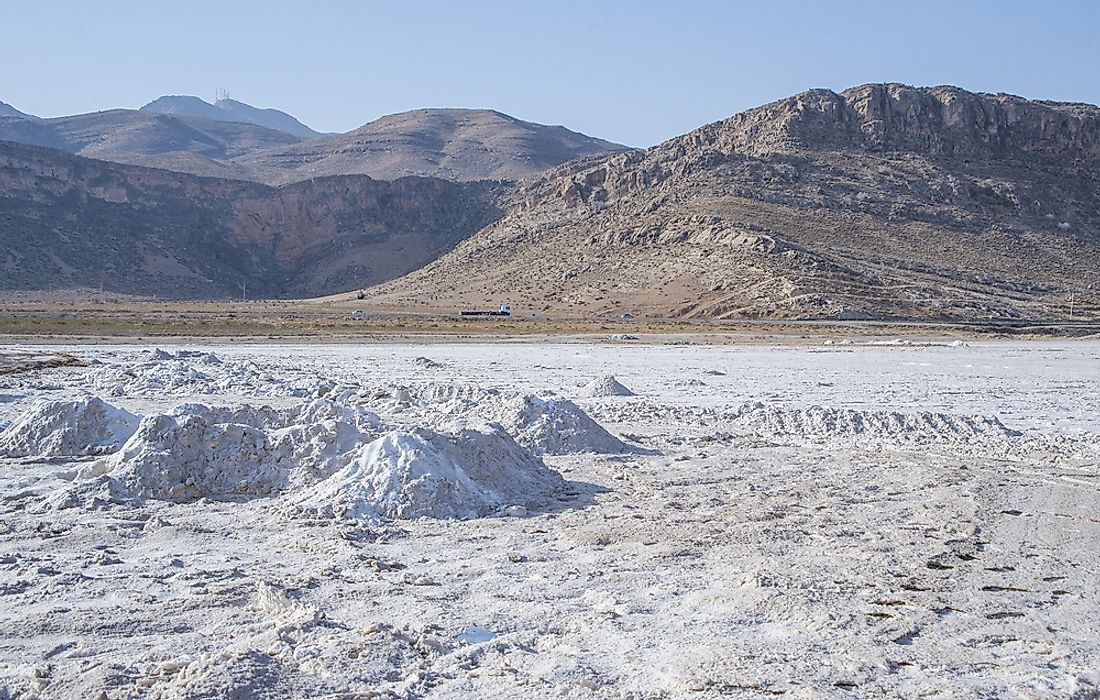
x,y
256,522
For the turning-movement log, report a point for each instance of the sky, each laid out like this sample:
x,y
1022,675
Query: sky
x,y
633,72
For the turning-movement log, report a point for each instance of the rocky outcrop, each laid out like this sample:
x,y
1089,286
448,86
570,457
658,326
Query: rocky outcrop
x,y
934,122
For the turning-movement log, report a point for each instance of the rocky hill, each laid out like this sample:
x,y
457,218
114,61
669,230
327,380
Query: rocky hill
x,y
882,201
456,144
73,222
231,111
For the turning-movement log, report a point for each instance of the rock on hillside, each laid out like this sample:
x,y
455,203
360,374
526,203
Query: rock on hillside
x,y
879,201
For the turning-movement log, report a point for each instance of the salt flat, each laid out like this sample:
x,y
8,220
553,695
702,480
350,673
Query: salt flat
x,y
841,520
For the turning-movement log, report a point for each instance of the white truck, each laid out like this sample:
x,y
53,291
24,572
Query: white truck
x,y
504,310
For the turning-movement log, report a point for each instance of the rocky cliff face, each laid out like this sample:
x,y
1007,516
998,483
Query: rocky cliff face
x,y
880,201
67,221
934,122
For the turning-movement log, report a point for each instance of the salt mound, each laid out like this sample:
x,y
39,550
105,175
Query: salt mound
x,y
542,425
602,387
552,426
164,373
321,436
470,472
185,458
87,426
198,451
820,424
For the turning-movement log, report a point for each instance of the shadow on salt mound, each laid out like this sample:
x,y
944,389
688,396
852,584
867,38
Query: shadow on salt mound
x,y
185,458
817,423
97,493
86,426
603,387
472,471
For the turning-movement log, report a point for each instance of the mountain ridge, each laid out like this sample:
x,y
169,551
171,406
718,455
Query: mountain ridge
x,y
186,134
455,143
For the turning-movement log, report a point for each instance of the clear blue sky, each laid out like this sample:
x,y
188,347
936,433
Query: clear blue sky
x,y
634,72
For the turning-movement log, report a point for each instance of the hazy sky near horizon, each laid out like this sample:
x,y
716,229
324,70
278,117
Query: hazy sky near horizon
x,y
633,72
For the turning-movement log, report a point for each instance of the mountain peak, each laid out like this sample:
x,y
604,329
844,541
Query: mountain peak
x,y
6,110
228,110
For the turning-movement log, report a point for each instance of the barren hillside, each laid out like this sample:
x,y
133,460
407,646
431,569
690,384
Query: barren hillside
x,y
72,222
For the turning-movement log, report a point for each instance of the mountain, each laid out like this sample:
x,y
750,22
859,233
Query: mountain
x,y
73,222
231,111
6,110
456,144
188,144
882,201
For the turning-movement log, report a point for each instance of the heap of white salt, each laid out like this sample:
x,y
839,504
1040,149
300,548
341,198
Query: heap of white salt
x,y
602,387
185,458
86,426
553,426
471,471
545,426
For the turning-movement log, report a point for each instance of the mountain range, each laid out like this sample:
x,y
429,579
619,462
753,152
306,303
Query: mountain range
x,y
229,139
881,201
